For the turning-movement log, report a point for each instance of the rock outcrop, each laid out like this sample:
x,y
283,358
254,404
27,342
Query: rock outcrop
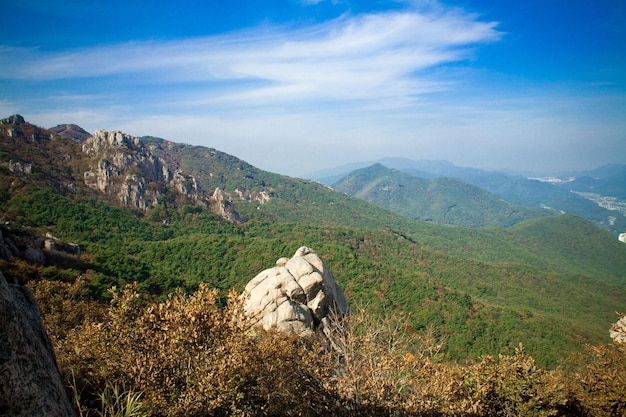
x,y
26,245
15,119
618,330
131,171
125,169
298,295
30,384
224,208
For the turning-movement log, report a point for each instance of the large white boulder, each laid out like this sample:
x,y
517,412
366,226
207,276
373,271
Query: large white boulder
x,y
298,295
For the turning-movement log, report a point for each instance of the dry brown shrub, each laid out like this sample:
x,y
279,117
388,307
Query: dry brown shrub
x,y
187,356
381,369
513,385
599,380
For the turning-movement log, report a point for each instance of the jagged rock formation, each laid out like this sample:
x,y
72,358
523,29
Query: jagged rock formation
x,y
299,295
15,119
30,384
224,208
142,173
128,170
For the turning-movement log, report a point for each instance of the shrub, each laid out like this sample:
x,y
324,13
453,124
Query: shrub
x,y
599,380
186,355
189,357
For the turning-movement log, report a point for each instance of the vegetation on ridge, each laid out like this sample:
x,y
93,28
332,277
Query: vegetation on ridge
x,y
439,200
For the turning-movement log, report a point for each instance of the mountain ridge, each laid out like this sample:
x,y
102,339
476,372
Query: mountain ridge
x,y
559,193
441,200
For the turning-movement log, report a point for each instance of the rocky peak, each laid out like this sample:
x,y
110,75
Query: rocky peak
x,y
16,119
71,131
125,168
137,172
104,139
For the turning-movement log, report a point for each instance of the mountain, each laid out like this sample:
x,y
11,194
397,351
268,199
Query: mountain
x,y
70,131
596,195
421,168
441,200
110,209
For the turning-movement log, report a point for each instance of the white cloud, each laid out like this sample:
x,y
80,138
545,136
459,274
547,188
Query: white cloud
x,y
295,100
366,57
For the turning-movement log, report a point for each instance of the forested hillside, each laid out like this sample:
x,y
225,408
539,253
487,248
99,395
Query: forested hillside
x,y
442,200
595,195
553,283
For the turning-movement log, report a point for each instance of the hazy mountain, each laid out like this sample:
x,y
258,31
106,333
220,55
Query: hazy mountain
x,y
169,215
441,200
607,181
420,168
581,193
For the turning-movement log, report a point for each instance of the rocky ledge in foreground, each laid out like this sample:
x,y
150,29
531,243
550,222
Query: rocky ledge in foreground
x,y
30,383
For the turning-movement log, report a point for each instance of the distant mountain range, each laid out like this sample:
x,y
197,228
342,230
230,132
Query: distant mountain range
x,y
440,200
598,195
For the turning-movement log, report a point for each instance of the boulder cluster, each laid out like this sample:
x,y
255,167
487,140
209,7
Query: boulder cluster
x,y
298,296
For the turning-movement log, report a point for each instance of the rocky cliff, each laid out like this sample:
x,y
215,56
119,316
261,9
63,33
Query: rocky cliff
x,y
141,173
127,169
30,384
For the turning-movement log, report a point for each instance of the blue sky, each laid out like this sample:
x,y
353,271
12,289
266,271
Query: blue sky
x,y
295,86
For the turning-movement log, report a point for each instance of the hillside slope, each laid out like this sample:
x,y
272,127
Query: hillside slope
x,y
594,195
441,200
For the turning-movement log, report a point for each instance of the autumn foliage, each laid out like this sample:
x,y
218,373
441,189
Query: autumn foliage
x,y
187,355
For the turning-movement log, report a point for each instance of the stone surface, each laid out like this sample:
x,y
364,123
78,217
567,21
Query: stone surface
x,y
618,330
131,172
297,296
224,208
30,383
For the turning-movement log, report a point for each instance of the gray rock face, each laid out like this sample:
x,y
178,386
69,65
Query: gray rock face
x,y
297,296
30,384
131,171
224,208
124,168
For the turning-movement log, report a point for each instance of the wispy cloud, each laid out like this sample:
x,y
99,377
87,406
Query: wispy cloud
x,y
299,97
365,57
